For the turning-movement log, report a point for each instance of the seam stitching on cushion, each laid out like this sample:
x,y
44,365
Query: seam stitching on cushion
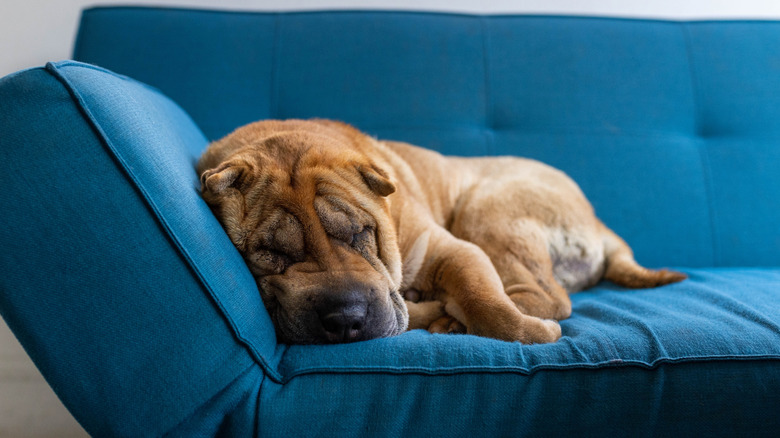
x,y
703,152
274,96
70,63
489,116
258,402
208,401
54,70
546,130
708,187
446,371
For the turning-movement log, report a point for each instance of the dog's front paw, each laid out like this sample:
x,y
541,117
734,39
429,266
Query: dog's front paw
x,y
447,324
424,313
525,329
552,332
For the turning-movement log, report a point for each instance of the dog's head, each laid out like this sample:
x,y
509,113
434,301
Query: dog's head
x,y
307,208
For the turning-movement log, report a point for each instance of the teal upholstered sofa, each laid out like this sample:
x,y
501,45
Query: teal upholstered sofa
x,y
132,302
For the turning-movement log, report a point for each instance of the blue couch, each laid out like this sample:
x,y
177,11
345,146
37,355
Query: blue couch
x,y
141,315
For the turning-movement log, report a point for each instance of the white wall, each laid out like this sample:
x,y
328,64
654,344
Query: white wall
x,y
33,32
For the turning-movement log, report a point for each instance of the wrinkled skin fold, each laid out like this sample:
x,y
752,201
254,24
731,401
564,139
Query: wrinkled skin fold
x,y
338,228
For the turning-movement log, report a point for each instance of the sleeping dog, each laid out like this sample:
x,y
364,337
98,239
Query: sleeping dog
x,y
351,238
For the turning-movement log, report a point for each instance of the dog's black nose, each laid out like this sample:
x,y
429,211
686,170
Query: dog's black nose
x,y
343,317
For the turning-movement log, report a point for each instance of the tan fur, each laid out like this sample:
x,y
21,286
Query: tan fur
x,y
491,246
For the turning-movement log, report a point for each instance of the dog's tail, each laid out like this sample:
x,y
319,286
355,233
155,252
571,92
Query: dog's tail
x,y
623,270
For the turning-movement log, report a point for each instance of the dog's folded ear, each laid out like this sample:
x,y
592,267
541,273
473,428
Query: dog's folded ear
x,y
221,178
376,179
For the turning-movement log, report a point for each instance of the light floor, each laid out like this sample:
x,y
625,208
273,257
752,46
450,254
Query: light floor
x,y
28,407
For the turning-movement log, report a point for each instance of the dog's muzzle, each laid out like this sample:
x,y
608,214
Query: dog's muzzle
x,y
344,317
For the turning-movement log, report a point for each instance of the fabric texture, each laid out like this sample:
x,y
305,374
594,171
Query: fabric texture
x,y
98,283
129,297
695,358
633,110
609,326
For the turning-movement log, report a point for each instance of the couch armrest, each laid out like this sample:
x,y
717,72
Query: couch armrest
x,y
117,280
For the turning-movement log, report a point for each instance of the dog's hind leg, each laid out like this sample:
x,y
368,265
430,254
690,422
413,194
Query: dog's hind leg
x,y
623,270
460,275
519,251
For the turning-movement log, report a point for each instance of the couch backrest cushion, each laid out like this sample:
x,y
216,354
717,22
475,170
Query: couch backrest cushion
x,y
669,127
116,277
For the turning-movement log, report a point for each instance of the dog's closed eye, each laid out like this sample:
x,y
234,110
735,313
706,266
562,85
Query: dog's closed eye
x,y
341,228
338,219
268,261
365,240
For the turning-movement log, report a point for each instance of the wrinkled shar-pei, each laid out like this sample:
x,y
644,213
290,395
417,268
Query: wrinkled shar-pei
x,y
351,238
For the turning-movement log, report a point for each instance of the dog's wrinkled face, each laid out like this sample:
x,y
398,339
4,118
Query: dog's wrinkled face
x,y
310,217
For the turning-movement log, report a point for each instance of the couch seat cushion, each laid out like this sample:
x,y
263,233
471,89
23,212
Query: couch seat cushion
x,y
677,353
717,314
